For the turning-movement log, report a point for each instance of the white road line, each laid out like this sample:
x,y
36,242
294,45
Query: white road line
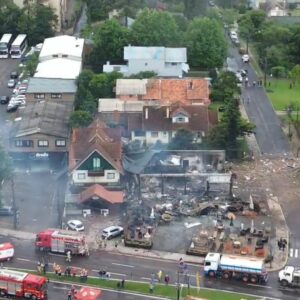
x,y
261,286
23,259
296,252
128,266
291,252
117,274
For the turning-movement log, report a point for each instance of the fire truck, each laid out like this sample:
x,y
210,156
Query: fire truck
x,y
61,241
21,284
6,251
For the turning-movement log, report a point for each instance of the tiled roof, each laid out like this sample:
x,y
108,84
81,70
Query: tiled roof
x,y
96,137
188,90
200,118
97,190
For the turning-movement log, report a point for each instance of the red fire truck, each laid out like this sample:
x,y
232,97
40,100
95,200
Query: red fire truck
x,y
61,241
21,284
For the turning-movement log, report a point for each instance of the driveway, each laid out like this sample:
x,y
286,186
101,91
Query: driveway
x,y
269,134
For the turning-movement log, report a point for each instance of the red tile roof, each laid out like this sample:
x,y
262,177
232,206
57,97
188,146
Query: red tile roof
x,y
187,90
97,190
200,118
96,137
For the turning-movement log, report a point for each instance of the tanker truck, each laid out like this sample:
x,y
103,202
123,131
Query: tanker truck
x,y
247,269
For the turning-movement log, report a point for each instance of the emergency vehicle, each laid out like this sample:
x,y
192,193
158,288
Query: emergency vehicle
x,y
21,284
61,241
7,251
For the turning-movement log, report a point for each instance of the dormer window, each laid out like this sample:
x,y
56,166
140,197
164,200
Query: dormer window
x,y
180,118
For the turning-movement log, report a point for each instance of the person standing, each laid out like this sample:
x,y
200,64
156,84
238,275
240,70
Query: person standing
x,y
69,295
167,279
159,275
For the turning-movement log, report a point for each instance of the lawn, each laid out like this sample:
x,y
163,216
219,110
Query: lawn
x,y
159,289
281,95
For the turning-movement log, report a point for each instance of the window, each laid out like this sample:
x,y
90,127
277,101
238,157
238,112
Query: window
x,y
81,176
154,134
43,143
96,163
165,133
56,96
55,55
174,63
24,143
60,143
207,263
110,175
39,96
180,120
64,55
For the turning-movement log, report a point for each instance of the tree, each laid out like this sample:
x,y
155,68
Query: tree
x,y
110,39
295,74
183,140
5,165
80,118
31,64
206,44
154,28
142,75
294,44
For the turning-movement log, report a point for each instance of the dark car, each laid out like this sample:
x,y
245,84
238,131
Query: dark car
x,y
4,99
14,75
12,108
6,211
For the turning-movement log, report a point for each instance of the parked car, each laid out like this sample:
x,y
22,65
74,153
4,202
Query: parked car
x,y
17,102
75,225
11,83
4,99
245,58
6,211
112,231
14,75
11,108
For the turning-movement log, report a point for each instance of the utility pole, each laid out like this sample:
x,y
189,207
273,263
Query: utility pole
x,y
15,211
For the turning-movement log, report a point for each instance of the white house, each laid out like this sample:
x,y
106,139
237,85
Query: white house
x,y
167,62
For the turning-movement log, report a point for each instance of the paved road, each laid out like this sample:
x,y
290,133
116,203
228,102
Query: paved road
x,y
135,268
269,135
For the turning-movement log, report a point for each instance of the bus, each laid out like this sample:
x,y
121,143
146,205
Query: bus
x,y
19,46
5,44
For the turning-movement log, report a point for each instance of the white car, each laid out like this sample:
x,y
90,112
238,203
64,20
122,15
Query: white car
x,y
245,58
111,232
75,225
233,35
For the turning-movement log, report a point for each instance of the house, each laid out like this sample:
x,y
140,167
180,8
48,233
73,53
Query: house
x,y
60,90
165,62
60,57
42,132
95,155
165,91
160,124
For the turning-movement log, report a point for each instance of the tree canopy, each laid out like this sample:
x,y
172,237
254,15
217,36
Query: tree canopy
x,y
80,118
183,140
206,44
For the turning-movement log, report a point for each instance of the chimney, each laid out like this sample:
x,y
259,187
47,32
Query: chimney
x,y
168,112
146,113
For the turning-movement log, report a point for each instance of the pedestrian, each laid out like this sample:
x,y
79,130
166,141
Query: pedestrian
x,y
108,275
254,83
159,275
55,268
43,268
151,288
116,244
73,291
74,272
69,257
279,244
123,283
283,246
167,279
69,295
246,81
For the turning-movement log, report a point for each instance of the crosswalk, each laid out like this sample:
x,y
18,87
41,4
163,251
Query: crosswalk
x,y
294,253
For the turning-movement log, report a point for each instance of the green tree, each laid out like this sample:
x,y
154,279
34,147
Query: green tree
x,y
5,165
80,118
31,64
110,39
295,74
142,75
183,140
294,44
154,28
206,44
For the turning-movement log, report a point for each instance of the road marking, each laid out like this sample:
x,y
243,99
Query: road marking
x,y
258,285
117,274
296,253
23,259
128,266
291,252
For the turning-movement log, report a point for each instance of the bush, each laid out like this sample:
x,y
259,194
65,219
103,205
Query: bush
x,y
279,72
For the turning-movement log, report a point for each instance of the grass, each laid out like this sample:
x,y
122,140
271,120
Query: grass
x,y
281,95
159,289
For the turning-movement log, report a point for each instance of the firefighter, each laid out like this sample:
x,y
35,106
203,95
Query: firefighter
x,y
69,257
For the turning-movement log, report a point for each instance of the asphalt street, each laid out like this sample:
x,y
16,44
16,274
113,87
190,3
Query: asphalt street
x,y
269,134
140,269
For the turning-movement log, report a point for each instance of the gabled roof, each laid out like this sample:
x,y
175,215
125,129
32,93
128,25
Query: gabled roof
x,y
179,111
45,117
99,191
51,85
200,118
96,138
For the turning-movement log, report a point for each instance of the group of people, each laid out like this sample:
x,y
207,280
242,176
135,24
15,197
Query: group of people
x,y
42,267
282,244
